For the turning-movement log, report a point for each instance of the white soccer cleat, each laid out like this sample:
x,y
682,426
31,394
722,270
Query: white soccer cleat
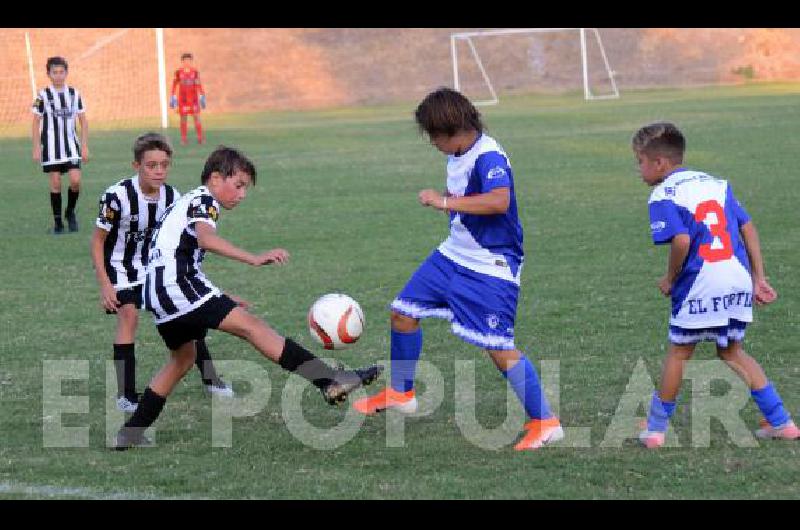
x,y
652,439
787,431
125,405
220,389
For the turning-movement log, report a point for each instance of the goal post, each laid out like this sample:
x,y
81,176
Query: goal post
x,y
580,34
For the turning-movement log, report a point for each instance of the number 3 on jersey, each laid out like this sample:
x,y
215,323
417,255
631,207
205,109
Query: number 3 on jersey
x,y
718,229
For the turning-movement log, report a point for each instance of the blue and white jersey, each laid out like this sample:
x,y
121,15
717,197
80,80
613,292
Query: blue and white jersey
x,y
488,244
714,284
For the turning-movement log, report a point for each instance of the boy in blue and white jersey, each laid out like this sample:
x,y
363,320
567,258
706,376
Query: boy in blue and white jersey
x,y
715,273
472,279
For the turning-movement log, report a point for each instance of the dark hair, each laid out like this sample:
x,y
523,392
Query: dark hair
x,y
150,142
56,61
187,55
446,111
660,139
226,161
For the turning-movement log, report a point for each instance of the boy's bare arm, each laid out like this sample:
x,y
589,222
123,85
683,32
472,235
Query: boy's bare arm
x,y
37,153
108,296
493,202
208,239
678,250
84,136
762,290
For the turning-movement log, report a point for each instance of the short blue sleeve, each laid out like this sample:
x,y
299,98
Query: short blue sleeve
x,y
493,171
737,209
665,222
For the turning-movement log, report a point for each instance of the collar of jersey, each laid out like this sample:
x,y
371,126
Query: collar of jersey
x,y
675,172
476,142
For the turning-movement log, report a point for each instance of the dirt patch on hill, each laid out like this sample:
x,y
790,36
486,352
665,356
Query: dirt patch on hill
x,y
254,69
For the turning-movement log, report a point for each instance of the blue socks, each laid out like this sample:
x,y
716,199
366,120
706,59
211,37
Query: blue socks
x,y
770,405
525,381
405,350
660,413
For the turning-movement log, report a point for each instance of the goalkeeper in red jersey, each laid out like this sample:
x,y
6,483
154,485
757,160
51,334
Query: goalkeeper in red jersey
x,y
188,96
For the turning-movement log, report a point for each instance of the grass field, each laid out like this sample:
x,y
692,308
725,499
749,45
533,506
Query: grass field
x,y
338,190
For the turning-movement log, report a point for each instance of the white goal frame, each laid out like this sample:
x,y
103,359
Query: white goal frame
x,y
468,36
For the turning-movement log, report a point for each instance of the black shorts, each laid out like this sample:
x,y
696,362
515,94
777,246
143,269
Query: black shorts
x,y
195,324
61,168
131,295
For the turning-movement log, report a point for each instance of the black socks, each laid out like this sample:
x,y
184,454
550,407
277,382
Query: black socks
x,y
72,199
203,362
125,366
55,204
150,406
295,358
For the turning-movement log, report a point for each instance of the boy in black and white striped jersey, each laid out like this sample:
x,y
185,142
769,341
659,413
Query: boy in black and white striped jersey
x,y
55,140
128,214
186,304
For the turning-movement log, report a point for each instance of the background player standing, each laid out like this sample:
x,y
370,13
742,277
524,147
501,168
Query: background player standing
x,y
55,141
188,96
714,274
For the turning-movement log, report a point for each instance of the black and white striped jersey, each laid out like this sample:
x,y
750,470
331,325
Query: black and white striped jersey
x,y
59,109
175,284
130,217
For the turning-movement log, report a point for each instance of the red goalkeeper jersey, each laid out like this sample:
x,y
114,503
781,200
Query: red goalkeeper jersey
x,y
187,83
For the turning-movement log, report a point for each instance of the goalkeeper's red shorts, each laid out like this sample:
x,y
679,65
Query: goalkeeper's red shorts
x,y
185,110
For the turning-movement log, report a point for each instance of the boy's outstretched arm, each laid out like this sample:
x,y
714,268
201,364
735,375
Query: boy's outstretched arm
x,y
493,202
678,250
762,290
208,239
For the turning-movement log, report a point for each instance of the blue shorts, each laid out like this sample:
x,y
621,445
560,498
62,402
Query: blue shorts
x,y
722,335
481,308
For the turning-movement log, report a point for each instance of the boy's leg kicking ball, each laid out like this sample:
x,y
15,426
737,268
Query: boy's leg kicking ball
x,y
186,304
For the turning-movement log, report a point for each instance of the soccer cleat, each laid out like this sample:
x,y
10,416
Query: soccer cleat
x,y
540,433
388,398
127,405
220,388
335,391
652,439
72,222
787,431
57,229
129,437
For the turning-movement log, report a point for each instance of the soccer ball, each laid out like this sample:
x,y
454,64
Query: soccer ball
x,y
335,321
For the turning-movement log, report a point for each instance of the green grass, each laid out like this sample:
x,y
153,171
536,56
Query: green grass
x,y
338,190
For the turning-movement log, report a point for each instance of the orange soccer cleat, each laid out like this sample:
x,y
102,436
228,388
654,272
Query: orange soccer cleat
x,y
540,433
388,398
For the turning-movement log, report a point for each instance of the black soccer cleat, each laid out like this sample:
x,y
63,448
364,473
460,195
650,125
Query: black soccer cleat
x,y
57,229
129,437
72,222
335,391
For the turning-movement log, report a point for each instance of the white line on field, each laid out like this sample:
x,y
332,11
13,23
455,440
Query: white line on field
x,y
57,491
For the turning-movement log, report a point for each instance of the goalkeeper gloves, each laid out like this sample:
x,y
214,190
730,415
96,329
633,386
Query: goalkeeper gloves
x,y
173,102
202,101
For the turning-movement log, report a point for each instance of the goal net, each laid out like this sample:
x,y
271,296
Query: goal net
x,y
116,71
485,64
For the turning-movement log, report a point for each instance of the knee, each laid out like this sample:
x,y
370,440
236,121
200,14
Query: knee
x,y
403,323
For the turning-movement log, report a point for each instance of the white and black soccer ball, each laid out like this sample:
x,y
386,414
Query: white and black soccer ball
x,y
335,320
